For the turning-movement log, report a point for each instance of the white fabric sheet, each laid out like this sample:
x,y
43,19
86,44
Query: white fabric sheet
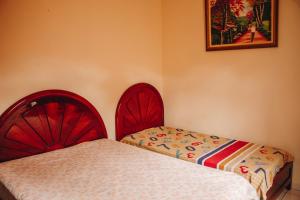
x,y
109,170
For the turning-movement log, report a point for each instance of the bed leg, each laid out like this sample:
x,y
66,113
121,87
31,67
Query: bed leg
x,y
289,186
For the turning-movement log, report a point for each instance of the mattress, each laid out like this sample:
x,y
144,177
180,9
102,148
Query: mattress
x,y
256,163
106,169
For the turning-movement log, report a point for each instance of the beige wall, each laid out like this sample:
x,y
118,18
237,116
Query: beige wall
x,y
246,94
96,48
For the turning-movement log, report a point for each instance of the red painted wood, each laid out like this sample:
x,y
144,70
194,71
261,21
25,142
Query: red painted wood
x,y
46,121
139,108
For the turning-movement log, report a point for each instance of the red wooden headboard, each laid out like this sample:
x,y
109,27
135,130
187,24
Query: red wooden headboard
x,y
139,108
46,121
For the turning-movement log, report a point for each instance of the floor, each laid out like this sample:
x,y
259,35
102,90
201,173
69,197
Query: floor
x,y
291,195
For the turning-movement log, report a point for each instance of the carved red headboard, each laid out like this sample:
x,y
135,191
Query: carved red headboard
x,y
46,121
139,108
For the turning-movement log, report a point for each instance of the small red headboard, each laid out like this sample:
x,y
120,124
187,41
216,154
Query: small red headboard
x,y
46,121
139,108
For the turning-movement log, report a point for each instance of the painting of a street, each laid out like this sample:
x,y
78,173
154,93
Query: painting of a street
x,y
240,23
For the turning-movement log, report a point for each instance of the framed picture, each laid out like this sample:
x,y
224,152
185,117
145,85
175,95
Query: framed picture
x,y
241,24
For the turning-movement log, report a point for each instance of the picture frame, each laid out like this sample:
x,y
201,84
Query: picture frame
x,y
241,24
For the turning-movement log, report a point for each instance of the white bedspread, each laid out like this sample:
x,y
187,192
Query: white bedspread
x,y
109,170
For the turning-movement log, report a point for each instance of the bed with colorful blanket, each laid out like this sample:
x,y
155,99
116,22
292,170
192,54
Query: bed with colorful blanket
x,y
257,163
140,122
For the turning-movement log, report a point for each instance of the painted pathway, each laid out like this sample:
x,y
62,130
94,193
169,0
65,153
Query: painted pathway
x,y
246,38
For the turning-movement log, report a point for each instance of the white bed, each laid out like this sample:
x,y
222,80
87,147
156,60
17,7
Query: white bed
x,y
89,167
105,169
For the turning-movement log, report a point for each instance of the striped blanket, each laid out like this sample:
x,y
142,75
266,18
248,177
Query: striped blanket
x,y
257,163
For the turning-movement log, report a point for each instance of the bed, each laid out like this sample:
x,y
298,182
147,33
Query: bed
x,y
53,145
140,122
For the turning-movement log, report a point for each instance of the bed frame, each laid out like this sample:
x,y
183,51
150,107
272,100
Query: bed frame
x,y
141,107
46,121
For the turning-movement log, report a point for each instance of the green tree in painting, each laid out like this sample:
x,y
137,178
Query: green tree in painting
x,y
224,19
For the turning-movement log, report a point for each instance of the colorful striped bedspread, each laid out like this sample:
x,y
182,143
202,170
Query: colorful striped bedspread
x,y
257,163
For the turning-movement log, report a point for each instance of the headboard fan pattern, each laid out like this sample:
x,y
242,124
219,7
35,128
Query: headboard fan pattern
x,y
139,108
46,121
